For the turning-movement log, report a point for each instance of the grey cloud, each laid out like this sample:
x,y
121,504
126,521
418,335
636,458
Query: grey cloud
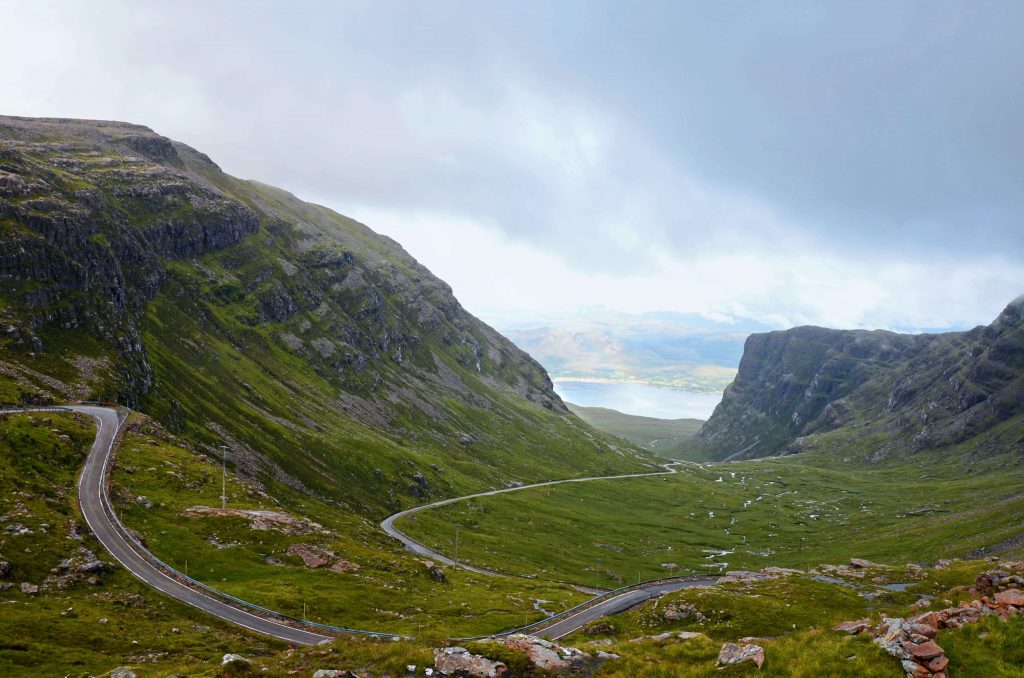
x,y
883,128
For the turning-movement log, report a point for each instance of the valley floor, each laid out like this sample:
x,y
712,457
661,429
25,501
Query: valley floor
x,y
342,569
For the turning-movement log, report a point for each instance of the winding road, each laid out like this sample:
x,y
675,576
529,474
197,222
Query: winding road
x,y
92,496
630,597
388,524
99,515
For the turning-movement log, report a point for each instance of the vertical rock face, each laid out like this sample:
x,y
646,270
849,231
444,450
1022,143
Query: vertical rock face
x,y
88,219
915,392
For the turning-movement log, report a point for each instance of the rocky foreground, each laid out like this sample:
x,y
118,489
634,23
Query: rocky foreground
x,y
912,640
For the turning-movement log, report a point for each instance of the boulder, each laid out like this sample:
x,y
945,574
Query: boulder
x,y
860,563
312,556
681,611
929,649
123,672
914,670
435,572
600,629
731,653
29,589
236,659
5,569
458,661
333,673
1010,597
853,627
262,520
924,630
689,635
548,656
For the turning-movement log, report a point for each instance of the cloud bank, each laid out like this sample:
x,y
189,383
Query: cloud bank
x,y
842,164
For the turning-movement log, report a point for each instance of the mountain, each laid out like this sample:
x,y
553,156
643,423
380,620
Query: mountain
x,y
312,352
660,436
877,393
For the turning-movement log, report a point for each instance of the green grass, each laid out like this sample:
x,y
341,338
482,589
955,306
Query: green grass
x,y
659,436
38,634
392,591
734,516
791,618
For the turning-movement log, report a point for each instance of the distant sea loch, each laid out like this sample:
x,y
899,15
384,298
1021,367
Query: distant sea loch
x,y
639,399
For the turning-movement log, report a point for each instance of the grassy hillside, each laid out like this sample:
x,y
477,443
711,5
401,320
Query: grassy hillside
x,y
315,353
89,621
660,436
381,587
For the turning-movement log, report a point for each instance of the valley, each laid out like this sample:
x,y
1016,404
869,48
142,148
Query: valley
x,y
293,379
737,516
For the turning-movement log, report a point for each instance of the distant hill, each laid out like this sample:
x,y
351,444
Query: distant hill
x,y
873,395
685,351
660,436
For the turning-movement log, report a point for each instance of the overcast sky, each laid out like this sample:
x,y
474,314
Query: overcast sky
x,y
847,164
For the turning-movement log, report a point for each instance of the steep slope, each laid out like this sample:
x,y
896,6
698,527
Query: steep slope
x,y
893,393
312,352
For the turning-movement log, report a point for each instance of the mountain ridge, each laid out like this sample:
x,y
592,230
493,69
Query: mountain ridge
x,y
907,393
315,351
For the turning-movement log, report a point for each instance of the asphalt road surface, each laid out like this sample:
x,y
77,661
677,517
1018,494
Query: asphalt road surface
x,y
388,524
91,496
619,603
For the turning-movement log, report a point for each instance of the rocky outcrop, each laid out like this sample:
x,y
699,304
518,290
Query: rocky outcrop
x,y
548,656
731,653
913,640
682,611
263,520
906,393
89,221
312,556
83,566
542,656
458,661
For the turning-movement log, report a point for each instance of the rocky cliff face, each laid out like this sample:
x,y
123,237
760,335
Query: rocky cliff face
x,y
135,269
91,211
905,393
88,213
